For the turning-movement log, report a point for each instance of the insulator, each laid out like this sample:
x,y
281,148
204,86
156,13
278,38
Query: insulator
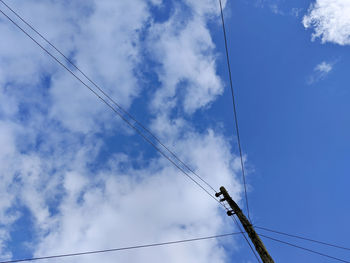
x,y
218,194
223,200
230,213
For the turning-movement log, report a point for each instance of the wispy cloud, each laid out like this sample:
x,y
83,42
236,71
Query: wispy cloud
x,y
324,67
275,9
296,12
320,72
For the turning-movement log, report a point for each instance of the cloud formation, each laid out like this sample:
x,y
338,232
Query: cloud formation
x,y
51,126
321,71
184,49
330,21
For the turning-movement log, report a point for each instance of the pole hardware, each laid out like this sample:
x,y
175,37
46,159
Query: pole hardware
x,y
218,194
259,245
230,213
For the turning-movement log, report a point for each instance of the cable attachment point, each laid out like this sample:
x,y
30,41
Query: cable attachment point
x,y
218,194
230,213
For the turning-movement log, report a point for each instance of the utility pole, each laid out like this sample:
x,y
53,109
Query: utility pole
x,y
259,245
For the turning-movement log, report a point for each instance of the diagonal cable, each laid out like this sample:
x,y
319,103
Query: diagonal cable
x,y
234,108
243,234
108,96
303,238
120,248
306,249
111,107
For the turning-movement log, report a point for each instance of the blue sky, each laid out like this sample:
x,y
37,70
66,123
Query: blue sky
x,y
77,178
295,132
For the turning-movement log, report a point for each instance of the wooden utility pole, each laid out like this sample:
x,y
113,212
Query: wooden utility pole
x,y
259,245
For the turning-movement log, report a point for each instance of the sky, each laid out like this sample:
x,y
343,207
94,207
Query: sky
x,y
75,177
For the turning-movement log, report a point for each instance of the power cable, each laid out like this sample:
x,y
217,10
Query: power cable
x,y
234,108
303,238
243,233
112,108
108,96
120,248
306,249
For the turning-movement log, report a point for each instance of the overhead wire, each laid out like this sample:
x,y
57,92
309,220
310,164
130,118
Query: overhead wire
x,y
242,231
108,96
120,248
237,131
104,101
234,109
303,238
306,249
112,108
105,94
162,153
242,163
246,239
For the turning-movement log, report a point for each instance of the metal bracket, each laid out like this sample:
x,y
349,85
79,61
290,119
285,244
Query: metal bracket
x,y
230,213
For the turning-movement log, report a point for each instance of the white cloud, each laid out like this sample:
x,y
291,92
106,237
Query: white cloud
x,y
273,5
206,7
330,20
276,10
324,67
145,207
321,71
50,133
185,51
296,12
102,41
